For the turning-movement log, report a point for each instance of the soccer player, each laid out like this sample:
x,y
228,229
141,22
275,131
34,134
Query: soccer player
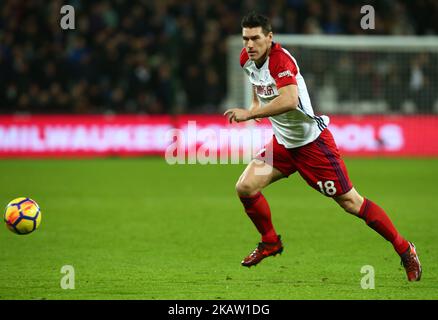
x,y
301,143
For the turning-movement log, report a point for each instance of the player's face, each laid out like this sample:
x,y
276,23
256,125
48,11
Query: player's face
x,y
256,43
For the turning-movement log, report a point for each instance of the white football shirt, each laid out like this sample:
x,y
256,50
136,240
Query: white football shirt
x,y
294,128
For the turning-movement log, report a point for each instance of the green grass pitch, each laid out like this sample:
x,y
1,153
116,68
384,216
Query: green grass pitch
x,y
142,229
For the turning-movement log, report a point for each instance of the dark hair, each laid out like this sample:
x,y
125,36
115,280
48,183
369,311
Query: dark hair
x,y
254,20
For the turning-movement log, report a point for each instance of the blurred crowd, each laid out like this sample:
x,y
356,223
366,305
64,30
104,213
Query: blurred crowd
x,y
401,80
162,56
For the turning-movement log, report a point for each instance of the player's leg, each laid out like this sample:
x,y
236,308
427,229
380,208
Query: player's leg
x,y
256,176
377,219
249,187
374,216
253,180
322,167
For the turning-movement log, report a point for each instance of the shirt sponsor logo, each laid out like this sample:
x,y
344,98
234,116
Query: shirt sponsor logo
x,y
265,90
286,73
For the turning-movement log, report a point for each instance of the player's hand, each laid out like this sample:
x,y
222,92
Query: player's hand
x,y
238,115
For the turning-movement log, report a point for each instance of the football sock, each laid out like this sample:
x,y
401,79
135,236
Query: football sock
x,y
257,209
377,219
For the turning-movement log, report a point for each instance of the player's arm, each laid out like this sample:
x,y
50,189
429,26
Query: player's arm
x,y
286,101
255,104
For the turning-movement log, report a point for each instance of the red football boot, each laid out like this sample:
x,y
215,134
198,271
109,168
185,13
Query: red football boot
x,y
411,263
263,250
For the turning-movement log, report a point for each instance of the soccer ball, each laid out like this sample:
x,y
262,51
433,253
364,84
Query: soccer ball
x,y
22,216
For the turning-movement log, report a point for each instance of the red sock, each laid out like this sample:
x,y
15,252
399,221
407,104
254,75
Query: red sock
x,y
377,219
257,208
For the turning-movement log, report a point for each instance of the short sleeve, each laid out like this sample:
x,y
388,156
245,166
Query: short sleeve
x,y
283,69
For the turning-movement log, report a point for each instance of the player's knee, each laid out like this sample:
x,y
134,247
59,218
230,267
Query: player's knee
x,y
351,206
245,188
348,206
